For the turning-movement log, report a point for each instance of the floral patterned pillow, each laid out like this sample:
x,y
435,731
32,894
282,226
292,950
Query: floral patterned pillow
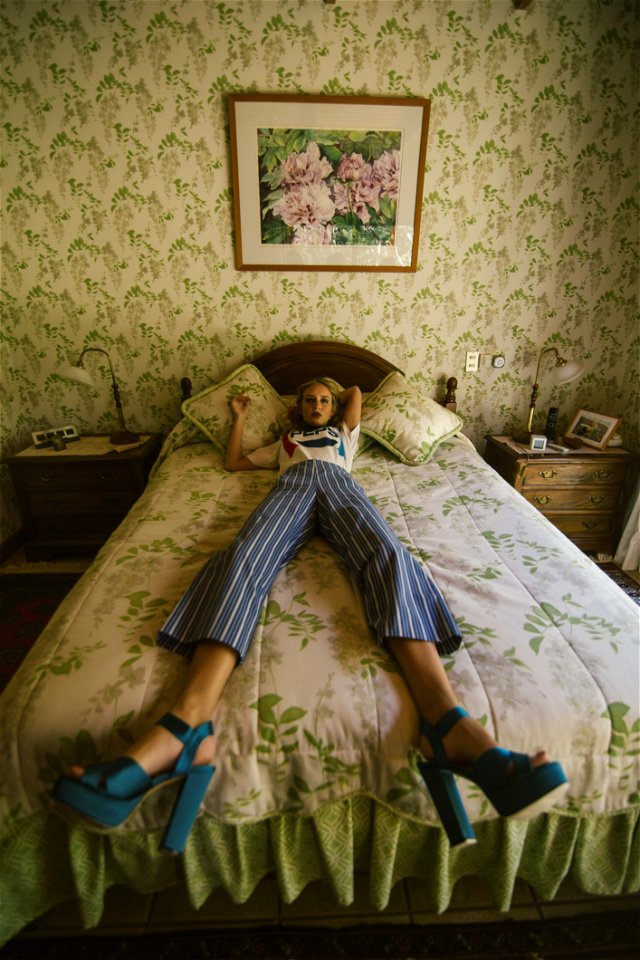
x,y
210,409
406,421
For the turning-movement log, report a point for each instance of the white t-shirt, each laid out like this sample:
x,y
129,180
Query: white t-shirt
x,y
316,443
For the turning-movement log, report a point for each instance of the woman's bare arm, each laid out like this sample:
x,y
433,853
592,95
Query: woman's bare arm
x,y
234,459
351,402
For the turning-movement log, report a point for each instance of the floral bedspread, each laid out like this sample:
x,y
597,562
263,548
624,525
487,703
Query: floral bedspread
x,y
316,732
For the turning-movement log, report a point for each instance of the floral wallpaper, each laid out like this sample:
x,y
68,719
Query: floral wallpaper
x,y
117,219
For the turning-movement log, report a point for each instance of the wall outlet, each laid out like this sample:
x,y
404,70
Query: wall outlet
x,y
473,361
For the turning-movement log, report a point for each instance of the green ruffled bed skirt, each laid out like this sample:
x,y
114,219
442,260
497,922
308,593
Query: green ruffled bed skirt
x,y
46,861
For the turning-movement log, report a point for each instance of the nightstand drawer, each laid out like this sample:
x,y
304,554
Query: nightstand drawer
x,y
71,500
574,525
544,473
594,499
583,493
73,503
74,476
85,528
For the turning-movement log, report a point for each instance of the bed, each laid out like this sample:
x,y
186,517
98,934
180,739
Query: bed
x,y
316,768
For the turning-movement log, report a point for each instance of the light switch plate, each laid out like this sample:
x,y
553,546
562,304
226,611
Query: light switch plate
x,y
473,361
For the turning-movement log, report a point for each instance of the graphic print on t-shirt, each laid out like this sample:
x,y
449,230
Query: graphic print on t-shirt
x,y
319,437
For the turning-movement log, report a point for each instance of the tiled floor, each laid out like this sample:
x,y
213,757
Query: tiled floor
x,y
129,914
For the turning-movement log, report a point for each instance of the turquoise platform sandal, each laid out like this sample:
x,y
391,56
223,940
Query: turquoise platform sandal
x,y
509,781
109,793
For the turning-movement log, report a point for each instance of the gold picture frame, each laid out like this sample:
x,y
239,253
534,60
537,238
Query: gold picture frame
x,y
327,183
591,429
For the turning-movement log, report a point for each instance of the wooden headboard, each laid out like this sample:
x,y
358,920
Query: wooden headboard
x,y
288,366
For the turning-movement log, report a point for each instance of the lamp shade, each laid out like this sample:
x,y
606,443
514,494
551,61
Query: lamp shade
x,y
79,374
568,371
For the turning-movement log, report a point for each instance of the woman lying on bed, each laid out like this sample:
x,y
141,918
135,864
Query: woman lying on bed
x,y
214,622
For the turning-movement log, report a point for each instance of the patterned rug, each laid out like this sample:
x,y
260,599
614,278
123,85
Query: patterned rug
x,y
612,936
624,581
27,603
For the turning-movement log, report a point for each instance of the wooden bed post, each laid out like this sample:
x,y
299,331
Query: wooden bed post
x,y
186,387
450,399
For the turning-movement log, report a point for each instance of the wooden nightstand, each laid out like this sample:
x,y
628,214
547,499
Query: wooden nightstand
x,y
583,493
71,500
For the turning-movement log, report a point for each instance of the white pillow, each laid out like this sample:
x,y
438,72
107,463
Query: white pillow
x,y
210,410
406,421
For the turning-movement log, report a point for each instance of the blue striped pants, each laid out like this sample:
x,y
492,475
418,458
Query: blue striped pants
x,y
226,597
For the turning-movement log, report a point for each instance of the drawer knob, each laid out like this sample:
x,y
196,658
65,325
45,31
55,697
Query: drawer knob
x,y
542,500
107,477
589,524
604,474
548,474
47,478
595,499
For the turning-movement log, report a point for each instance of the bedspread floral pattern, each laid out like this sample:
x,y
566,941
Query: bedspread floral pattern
x,y
287,745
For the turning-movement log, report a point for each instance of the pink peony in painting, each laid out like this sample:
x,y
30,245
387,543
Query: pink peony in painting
x,y
329,186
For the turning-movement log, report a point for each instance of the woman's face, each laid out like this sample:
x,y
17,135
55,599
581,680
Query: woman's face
x,y
316,405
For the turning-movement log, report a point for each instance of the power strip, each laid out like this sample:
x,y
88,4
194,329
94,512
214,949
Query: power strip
x,y
44,438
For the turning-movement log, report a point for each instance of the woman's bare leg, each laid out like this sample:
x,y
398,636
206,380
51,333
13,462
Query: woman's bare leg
x,y
157,750
429,684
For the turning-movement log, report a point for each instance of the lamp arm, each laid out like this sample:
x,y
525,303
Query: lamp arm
x,y
535,393
91,350
116,389
116,396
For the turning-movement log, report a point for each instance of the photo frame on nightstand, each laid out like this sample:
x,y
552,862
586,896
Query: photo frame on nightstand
x,y
591,429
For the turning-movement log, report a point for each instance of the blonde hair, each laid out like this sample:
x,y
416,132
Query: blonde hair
x,y
336,417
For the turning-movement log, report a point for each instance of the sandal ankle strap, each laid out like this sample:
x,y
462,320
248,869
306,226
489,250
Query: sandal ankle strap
x,y
191,737
437,732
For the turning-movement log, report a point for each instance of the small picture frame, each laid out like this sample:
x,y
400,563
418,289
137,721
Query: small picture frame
x,y
592,429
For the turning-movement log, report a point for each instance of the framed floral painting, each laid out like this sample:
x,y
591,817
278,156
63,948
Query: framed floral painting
x,y
327,183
